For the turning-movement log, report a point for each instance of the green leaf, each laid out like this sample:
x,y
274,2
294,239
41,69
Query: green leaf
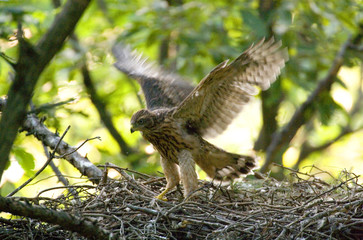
x,y
255,23
327,108
25,159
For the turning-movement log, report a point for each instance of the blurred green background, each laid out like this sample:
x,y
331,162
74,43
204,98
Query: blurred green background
x,y
190,38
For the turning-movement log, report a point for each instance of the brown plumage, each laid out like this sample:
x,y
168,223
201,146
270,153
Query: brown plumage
x,y
179,115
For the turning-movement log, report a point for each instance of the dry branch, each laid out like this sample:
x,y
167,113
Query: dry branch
x,y
31,63
64,219
97,100
36,127
254,209
49,159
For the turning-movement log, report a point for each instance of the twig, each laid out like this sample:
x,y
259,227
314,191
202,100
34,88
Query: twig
x,y
50,158
303,173
47,106
131,180
77,148
142,209
332,189
34,126
143,175
59,175
8,59
62,187
59,217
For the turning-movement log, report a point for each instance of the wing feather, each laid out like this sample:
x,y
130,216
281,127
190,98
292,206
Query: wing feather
x,y
161,89
221,95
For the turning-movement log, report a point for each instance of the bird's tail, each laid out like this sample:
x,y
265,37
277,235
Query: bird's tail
x,y
238,165
224,166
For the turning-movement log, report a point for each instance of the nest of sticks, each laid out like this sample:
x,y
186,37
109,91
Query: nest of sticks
x,y
305,207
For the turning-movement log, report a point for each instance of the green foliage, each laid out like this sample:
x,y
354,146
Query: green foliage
x,y
255,23
200,35
25,159
327,108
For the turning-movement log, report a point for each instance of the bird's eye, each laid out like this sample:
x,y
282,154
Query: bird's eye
x,y
141,121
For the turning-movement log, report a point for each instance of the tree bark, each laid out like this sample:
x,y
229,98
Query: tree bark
x,y
282,138
31,63
67,221
272,98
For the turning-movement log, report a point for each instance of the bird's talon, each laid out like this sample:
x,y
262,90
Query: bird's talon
x,y
161,195
162,198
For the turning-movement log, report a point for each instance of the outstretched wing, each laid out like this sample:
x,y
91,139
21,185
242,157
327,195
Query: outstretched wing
x,y
220,96
161,89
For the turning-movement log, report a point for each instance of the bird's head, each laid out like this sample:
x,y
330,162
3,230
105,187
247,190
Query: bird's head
x,y
142,120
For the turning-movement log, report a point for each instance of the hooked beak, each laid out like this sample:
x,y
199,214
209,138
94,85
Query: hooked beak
x,y
132,130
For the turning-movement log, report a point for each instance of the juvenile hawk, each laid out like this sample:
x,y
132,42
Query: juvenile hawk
x,y
179,115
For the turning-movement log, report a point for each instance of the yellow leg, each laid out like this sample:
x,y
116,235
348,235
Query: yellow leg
x,y
162,194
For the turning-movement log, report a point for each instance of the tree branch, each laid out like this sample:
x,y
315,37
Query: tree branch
x,y
104,114
282,139
31,63
35,127
42,133
59,217
271,99
60,176
307,149
50,158
100,106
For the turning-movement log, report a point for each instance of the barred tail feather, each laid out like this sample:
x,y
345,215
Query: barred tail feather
x,y
223,166
239,165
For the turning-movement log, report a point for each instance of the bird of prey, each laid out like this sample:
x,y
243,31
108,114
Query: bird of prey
x,y
179,115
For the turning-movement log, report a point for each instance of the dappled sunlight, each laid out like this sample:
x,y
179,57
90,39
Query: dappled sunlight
x,y
343,97
350,77
346,154
107,143
290,157
13,174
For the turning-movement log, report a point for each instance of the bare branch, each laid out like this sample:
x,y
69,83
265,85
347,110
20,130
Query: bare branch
x,y
31,63
282,139
104,114
50,158
60,176
76,149
131,180
59,217
42,133
35,126
98,103
307,149
47,106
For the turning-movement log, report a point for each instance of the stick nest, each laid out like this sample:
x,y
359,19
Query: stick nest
x,y
305,207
